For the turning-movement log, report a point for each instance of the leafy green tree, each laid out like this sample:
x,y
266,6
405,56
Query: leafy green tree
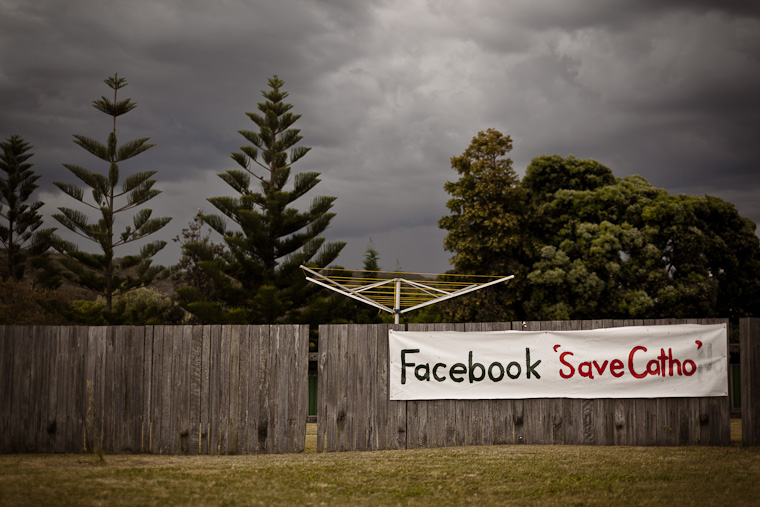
x,y
102,273
595,261
260,280
487,227
710,257
20,235
621,248
548,174
597,246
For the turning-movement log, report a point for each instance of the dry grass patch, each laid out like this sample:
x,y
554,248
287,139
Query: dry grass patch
x,y
449,476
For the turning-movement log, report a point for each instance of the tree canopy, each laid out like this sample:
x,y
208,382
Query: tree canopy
x,y
486,226
258,280
590,245
19,233
102,273
625,249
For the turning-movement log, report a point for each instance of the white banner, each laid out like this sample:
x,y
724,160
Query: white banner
x,y
625,362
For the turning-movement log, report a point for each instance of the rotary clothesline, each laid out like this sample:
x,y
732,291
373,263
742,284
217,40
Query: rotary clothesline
x,y
398,294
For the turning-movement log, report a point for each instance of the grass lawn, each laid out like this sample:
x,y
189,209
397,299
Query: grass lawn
x,y
444,476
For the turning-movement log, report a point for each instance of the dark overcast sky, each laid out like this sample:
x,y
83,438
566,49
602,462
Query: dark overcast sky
x,y
389,91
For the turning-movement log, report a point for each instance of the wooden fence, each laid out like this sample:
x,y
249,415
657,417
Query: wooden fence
x,y
244,389
154,389
355,412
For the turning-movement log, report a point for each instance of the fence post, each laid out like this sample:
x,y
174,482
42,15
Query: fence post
x,y
750,380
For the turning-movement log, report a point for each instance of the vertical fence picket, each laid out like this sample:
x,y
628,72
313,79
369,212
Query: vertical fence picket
x,y
244,372
352,387
234,389
300,374
382,398
254,392
280,399
21,379
322,383
750,380
147,373
7,387
205,394
273,343
372,389
332,382
263,430
194,396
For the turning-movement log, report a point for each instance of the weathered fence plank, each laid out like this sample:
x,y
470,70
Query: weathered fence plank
x,y
21,401
147,369
244,371
185,391
205,445
6,385
750,380
194,396
322,392
352,386
234,389
332,382
282,369
214,390
154,411
372,380
252,427
397,422
224,390
300,410
79,400
381,399
36,378
50,423
271,393
169,400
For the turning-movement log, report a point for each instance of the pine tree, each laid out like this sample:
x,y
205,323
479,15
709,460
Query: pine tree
x,y
365,314
102,273
371,263
19,235
272,239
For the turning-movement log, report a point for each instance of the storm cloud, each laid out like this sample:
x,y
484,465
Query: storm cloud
x,y
389,91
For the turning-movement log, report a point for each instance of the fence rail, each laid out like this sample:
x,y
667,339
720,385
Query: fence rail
x,y
356,414
154,389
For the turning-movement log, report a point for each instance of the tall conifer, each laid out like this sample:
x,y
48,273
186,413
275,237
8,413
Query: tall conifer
x,y
271,238
21,218
103,273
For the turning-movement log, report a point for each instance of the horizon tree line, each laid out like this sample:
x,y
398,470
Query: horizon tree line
x,y
581,242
